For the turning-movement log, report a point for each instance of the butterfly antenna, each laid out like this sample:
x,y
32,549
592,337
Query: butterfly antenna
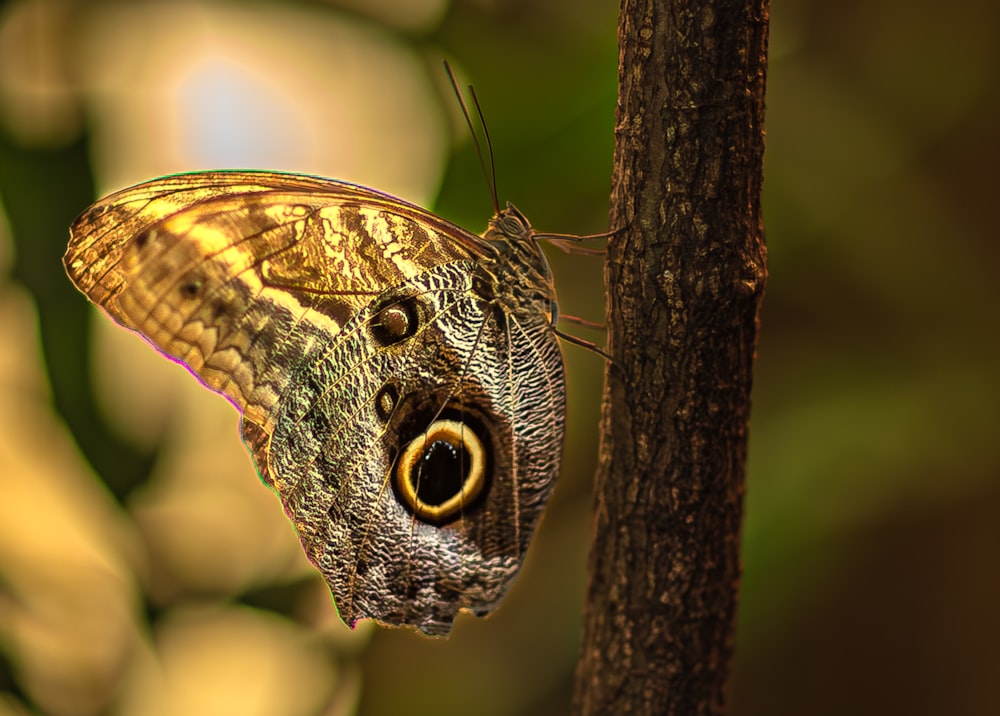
x,y
491,173
489,148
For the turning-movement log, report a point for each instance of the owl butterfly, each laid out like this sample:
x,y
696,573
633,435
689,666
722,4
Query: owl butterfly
x,y
399,378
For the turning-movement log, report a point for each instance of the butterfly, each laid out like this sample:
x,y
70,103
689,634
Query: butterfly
x,y
399,378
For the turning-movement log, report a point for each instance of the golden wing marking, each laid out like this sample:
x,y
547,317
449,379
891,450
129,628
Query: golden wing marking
x,y
206,266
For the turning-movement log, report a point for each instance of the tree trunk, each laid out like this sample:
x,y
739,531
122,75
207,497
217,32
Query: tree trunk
x,y
685,275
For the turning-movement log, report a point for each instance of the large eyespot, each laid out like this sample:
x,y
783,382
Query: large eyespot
x,y
395,322
441,472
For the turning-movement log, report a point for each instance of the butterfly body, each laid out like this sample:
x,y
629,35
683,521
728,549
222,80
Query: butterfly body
x,y
399,380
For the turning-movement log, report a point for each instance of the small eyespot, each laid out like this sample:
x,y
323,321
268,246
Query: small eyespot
x,y
441,472
191,288
385,401
143,238
396,322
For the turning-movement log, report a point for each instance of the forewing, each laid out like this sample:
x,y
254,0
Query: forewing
x,y
219,269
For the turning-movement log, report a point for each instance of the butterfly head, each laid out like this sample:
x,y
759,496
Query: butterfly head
x,y
510,225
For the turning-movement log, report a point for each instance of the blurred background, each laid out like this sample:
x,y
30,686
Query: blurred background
x,y
145,570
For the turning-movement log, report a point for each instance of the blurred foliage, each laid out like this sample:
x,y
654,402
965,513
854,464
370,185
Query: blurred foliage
x,y
143,569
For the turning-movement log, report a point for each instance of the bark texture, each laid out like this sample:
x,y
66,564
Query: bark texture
x,y
685,273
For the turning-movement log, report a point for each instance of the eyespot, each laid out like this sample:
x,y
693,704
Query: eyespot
x,y
441,472
190,288
395,322
385,401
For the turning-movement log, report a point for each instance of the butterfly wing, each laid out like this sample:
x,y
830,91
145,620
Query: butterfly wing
x,y
200,263
370,358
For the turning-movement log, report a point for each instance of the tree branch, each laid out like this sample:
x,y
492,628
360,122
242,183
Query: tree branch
x,y
685,275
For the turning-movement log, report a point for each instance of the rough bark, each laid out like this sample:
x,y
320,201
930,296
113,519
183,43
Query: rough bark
x,y
685,275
